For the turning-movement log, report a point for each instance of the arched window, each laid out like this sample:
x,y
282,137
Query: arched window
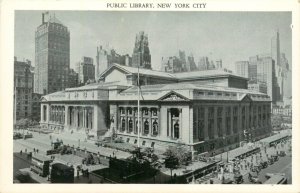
x,y
146,127
155,128
130,125
176,130
123,125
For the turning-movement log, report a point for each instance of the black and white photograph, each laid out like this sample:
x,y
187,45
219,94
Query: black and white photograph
x,y
115,96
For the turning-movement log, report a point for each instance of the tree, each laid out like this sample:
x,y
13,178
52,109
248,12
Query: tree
x,y
180,152
171,162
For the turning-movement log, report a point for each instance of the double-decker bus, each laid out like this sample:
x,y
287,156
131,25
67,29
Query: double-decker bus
x,y
40,164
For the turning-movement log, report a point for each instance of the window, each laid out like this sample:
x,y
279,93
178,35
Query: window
x,y
130,125
146,112
123,125
144,143
135,141
146,127
127,140
154,112
155,128
129,111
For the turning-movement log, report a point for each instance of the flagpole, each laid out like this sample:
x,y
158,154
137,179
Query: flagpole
x,y
138,124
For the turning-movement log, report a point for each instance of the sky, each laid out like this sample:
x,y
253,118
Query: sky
x,y
230,36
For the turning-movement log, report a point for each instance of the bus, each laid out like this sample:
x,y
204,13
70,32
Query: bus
x,y
61,173
276,179
40,164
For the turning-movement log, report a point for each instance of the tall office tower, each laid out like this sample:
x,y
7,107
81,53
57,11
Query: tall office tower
x,y
287,77
141,53
171,64
211,65
265,72
52,56
219,64
279,68
191,63
85,70
73,78
182,58
252,70
105,57
203,63
241,68
23,89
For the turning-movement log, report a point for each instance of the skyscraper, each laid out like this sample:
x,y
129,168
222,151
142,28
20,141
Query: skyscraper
x,y
52,56
191,63
105,57
265,72
241,68
85,70
203,63
23,83
141,56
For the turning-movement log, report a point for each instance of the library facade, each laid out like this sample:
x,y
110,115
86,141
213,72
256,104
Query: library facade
x,y
204,111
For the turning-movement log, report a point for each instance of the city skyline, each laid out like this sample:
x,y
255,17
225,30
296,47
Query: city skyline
x,y
243,33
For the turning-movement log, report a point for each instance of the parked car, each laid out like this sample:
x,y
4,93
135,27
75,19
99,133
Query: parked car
x,y
275,157
264,164
17,136
282,153
238,178
270,161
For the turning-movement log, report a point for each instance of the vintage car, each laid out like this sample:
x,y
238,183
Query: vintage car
x,y
275,157
238,178
282,153
264,164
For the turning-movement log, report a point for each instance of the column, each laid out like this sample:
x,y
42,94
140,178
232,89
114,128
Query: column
x,y
205,123
215,122
169,123
126,119
231,121
66,124
76,117
42,113
180,124
195,123
224,121
47,113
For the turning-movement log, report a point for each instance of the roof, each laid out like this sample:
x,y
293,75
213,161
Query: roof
x,y
54,96
191,86
142,71
205,74
54,20
97,86
175,76
190,91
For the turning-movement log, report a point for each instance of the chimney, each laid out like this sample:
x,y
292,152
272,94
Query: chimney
x,y
43,18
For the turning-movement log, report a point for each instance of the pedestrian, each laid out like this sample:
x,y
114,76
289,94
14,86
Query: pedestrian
x,y
34,150
37,150
21,152
77,173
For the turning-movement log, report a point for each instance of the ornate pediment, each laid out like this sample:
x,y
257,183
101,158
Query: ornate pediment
x,y
43,99
246,98
173,96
